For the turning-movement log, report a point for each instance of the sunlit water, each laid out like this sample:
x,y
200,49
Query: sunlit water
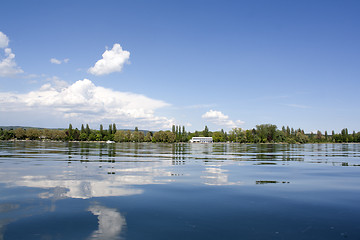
x,y
179,191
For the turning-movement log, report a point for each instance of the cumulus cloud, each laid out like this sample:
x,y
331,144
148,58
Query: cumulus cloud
x,y
221,119
112,61
4,40
8,67
57,61
87,102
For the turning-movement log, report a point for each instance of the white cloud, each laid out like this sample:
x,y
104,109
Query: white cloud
x,y
200,106
30,76
4,40
297,106
56,83
8,67
113,61
57,61
83,101
221,119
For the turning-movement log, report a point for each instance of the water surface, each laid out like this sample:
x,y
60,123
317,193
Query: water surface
x,y
179,191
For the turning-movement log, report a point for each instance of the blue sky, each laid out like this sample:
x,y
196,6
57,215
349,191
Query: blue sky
x,y
223,64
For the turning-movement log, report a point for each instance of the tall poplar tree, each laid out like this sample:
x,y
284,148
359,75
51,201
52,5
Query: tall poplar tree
x,y
101,130
87,130
71,132
206,131
114,128
110,129
184,137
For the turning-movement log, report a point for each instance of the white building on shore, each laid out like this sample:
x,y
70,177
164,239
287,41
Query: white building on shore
x,y
201,140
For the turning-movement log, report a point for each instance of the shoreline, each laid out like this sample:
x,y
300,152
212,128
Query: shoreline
x,y
276,143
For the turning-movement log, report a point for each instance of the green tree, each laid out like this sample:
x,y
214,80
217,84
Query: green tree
x,y
127,136
266,132
280,136
7,134
119,136
101,131
59,135
20,133
114,128
83,136
218,136
287,131
76,134
237,135
205,132
249,136
184,135
164,136
33,133
70,132
87,130
92,136
82,129
344,135
176,132
292,132
301,138
319,137
148,137
110,129
170,137
179,135
98,137
137,136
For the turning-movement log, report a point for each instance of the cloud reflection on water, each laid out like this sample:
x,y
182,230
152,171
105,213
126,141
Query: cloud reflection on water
x,y
77,181
110,221
215,175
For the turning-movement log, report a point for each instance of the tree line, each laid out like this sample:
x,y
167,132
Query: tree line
x,y
264,133
269,133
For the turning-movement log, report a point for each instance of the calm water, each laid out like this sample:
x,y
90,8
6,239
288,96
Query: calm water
x,y
179,191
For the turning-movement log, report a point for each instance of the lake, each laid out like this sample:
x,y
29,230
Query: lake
x,y
55,190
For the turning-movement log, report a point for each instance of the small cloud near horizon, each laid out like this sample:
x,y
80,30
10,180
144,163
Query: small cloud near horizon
x,y
297,106
221,119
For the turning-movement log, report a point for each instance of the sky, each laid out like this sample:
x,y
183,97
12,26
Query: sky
x,y
152,64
